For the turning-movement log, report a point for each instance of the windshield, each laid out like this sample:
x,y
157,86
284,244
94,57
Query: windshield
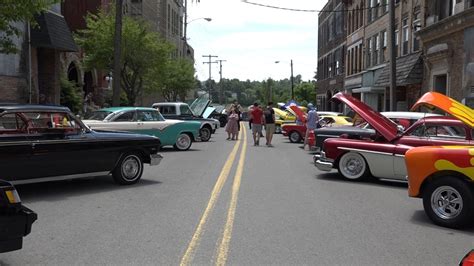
x,y
97,115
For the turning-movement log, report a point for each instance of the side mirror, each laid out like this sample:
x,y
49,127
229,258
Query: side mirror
x,y
400,129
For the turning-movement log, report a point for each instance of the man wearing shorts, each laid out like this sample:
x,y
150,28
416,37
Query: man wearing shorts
x,y
257,121
269,123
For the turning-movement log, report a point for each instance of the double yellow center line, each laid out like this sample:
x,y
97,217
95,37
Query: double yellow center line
x,y
223,249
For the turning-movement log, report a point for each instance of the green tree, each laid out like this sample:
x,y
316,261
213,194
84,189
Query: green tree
x,y
13,11
143,51
305,93
178,79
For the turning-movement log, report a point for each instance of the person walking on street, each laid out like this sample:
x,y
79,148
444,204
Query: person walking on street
x,y
231,127
257,121
269,123
311,123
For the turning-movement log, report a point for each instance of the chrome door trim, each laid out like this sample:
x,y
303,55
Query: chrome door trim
x,y
57,178
366,151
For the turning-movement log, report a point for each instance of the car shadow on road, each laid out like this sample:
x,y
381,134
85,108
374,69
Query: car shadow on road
x,y
419,217
336,177
167,150
59,190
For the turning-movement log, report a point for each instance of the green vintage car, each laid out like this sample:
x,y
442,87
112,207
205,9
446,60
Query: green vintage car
x,y
177,133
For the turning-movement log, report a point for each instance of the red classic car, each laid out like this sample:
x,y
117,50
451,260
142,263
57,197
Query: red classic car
x,y
382,154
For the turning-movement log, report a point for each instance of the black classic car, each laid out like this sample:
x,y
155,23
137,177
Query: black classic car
x,y
44,143
15,219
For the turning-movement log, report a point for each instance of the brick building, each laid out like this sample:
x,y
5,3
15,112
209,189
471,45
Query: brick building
x,y
374,89
448,47
331,54
33,74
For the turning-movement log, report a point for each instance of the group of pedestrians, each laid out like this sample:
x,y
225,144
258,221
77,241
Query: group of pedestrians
x,y
264,118
260,118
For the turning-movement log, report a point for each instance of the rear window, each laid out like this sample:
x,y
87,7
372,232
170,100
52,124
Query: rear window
x,y
11,122
97,115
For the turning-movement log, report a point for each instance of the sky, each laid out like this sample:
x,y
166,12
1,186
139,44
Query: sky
x,y
251,38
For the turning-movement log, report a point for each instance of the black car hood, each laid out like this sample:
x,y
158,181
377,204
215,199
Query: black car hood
x,y
343,130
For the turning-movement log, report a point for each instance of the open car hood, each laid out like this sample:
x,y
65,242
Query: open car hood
x,y
199,105
208,111
386,127
434,100
296,111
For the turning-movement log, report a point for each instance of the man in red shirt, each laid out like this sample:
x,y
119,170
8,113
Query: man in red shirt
x,y
257,121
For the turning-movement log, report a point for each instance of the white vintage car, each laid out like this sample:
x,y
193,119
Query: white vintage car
x,y
177,133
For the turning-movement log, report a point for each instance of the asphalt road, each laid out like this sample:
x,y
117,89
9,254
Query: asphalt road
x,y
228,202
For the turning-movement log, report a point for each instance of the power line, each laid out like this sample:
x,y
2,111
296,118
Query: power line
x,y
310,10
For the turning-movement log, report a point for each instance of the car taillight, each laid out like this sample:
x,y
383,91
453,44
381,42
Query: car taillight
x,y
12,196
468,260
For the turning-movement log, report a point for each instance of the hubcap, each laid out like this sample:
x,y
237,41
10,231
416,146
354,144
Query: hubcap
x,y
294,136
183,141
446,202
131,167
352,165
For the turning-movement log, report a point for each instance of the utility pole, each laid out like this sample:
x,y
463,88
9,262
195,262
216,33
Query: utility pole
x,y
292,81
393,56
117,53
210,63
220,79
185,40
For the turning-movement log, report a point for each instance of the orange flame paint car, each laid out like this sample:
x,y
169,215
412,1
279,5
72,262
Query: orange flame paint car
x,y
444,177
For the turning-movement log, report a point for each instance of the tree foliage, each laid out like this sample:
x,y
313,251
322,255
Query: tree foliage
x,y
143,51
178,79
14,11
247,92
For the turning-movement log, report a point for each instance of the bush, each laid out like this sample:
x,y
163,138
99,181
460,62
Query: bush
x,y
71,95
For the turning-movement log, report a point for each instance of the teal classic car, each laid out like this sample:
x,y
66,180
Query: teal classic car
x,y
177,133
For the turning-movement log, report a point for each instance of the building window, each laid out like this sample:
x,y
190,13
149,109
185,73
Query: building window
x,y
397,40
441,84
416,27
349,22
375,57
384,6
405,34
383,44
356,15
369,52
445,8
360,58
369,11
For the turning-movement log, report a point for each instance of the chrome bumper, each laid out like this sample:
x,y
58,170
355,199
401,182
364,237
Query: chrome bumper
x,y
323,163
155,159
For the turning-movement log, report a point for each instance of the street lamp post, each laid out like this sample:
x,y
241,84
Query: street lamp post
x,y
186,22
291,79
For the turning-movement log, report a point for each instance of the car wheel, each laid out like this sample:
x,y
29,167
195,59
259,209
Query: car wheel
x,y
277,129
295,137
129,170
183,143
222,121
205,133
449,202
353,166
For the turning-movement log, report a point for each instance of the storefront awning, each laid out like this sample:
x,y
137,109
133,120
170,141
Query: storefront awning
x,y
369,90
409,71
52,32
